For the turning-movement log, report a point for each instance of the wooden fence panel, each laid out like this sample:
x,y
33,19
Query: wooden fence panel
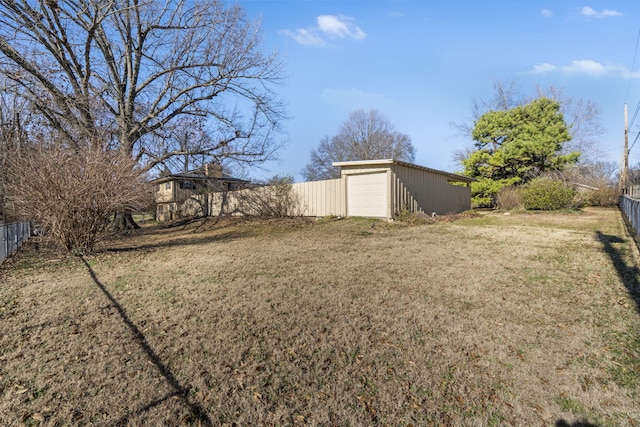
x,y
12,236
314,199
321,198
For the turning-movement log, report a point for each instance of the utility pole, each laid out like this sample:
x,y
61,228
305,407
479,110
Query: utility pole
x,y
625,166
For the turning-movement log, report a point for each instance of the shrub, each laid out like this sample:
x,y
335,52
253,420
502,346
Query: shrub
x,y
413,218
547,194
484,191
72,193
509,198
605,196
275,199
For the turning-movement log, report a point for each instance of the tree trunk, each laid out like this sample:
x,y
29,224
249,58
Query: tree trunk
x,y
123,220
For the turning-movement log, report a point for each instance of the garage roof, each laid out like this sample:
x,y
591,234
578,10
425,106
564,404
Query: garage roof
x,y
452,177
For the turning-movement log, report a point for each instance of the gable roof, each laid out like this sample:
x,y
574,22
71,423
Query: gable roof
x,y
197,176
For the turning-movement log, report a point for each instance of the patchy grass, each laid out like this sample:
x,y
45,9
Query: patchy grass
x,y
490,319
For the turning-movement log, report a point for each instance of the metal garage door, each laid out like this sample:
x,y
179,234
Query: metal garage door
x,y
367,195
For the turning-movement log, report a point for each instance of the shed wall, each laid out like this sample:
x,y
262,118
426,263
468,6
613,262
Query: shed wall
x,y
423,191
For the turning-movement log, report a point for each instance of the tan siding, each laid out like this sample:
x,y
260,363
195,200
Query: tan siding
x,y
424,191
321,198
315,198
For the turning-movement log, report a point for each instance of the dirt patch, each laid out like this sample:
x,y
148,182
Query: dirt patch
x,y
487,320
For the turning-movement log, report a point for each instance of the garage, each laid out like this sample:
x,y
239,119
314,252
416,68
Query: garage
x,y
367,195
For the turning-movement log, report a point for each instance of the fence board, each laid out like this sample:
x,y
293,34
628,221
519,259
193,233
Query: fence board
x,y
631,209
12,236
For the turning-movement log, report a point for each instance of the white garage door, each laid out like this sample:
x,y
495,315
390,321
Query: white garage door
x,y
367,195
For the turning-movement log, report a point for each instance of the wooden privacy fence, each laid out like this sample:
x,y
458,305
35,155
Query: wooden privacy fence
x,y
315,198
12,236
321,198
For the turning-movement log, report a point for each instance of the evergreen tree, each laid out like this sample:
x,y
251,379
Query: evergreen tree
x,y
516,145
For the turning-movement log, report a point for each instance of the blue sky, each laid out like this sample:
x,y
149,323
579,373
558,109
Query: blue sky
x,y
422,63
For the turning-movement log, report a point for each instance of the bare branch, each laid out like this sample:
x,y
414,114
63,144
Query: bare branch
x,y
128,70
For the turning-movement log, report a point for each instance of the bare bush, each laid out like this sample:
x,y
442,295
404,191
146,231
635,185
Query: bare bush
x,y
509,198
275,200
73,193
605,195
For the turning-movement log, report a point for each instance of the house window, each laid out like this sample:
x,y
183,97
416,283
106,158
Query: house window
x,y
167,186
188,185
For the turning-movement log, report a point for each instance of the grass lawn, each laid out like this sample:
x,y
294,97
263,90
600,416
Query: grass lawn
x,y
521,319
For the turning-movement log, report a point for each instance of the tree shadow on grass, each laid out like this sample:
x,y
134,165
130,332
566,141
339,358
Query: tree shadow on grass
x,y
563,423
629,274
176,242
192,231
178,390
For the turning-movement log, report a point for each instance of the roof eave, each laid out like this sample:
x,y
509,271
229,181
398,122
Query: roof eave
x,y
452,177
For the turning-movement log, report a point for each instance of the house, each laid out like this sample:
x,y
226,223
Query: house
x,y
185,194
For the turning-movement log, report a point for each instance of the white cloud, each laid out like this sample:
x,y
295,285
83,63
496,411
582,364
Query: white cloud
x,y
592,13
587,67
546,13
609,12
543,68
329,27
305,37
340,27
397,15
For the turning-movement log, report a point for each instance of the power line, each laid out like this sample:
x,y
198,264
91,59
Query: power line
x,y
634,142
635,114
633,66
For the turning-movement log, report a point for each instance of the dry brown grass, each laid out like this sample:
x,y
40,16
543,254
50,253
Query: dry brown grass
x,y
488,320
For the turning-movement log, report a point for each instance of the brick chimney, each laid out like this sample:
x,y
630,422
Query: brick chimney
x,y
213,170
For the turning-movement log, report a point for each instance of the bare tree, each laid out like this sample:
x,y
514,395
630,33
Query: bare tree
x,y
365,135
14,121
125,70
120,73
506,95
583,119
582,116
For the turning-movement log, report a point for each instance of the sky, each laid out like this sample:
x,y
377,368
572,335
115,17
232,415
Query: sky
x,y
423,63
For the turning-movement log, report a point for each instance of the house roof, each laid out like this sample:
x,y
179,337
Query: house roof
x,y
197,176
453,177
